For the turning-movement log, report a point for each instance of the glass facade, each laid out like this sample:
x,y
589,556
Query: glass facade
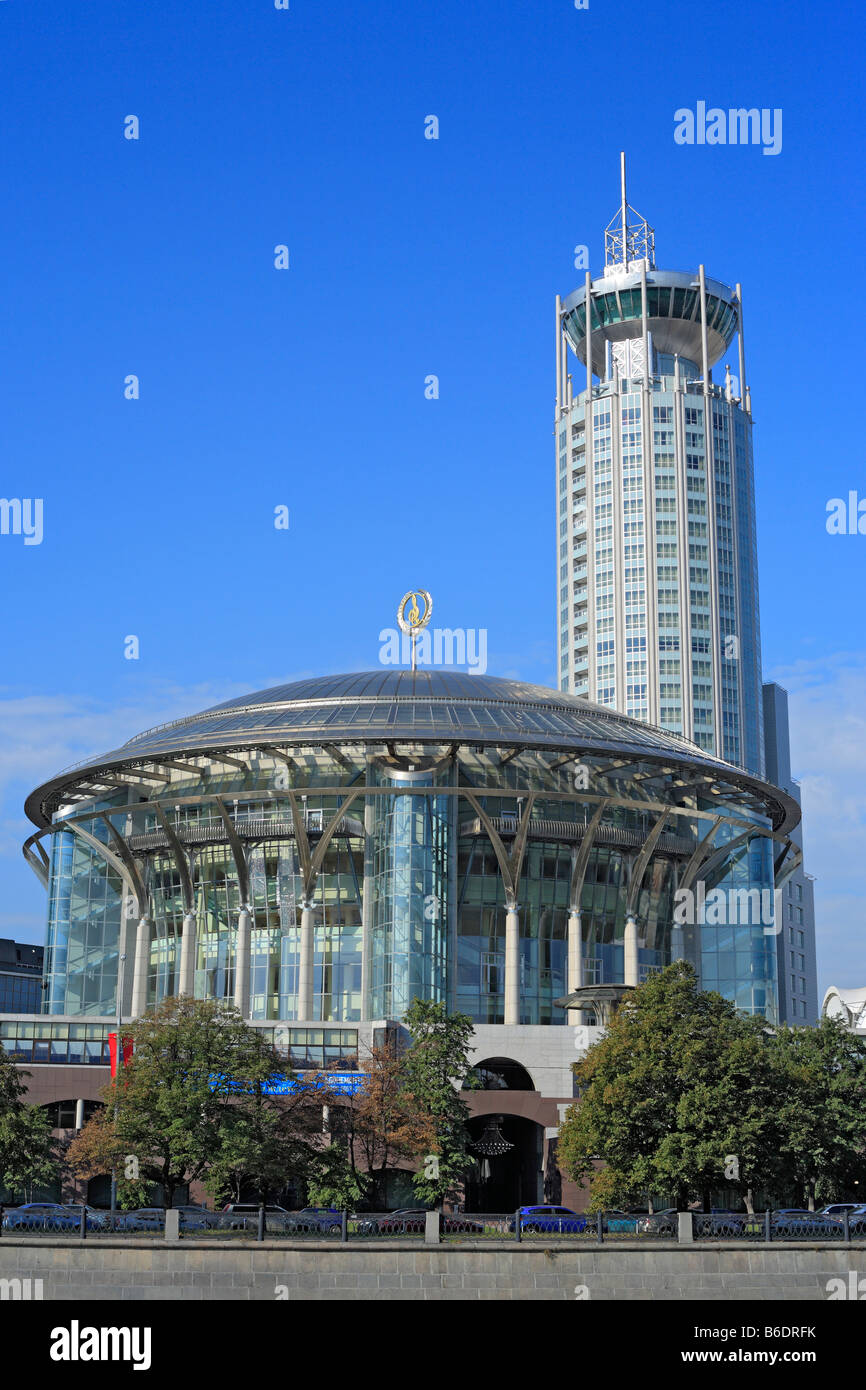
x,y
20,994
409,885
389,864
84,915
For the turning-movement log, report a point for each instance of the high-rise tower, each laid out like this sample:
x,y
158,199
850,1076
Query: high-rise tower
x,y
658,587
657,556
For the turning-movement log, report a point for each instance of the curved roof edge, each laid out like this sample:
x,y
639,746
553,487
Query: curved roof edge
x,y
213,729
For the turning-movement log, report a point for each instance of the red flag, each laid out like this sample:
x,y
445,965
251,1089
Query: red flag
x,y
112,1052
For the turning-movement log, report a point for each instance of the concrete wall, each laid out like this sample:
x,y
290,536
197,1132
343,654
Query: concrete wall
x,y
152,1270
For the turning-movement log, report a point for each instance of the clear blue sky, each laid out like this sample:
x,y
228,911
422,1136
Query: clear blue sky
x,y
408,257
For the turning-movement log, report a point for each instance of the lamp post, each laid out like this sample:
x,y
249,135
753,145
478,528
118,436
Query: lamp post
x,y
119,1056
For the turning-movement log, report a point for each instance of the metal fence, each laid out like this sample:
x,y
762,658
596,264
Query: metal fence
x,y
411,1225
768,1226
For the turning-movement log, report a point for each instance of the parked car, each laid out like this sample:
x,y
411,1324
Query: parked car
x,y
413,1221
796,1221
193,1218
325,1221
550,1220
50,1216
96,1220
660,1223
144,1219
240,1216
839,1208
724,1223
620,1223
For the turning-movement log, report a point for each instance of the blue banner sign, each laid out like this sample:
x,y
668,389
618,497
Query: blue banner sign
x,y
342,1083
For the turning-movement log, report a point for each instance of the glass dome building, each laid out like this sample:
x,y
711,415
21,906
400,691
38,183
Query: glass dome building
x,y
325,851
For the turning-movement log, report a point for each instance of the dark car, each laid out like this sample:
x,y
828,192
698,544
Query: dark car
x,y
51,1216
550,1220
413,1221
324,1221
143,1219
194,1218
722,1223
659,1223
244,1216
795,1221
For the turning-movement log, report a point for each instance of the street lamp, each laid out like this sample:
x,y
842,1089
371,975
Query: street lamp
x,y
118,1052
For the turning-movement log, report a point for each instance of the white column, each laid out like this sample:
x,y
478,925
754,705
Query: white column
x,y
575,961
141,967
79,1113
242,962
630,950
186,974
305,965
512,965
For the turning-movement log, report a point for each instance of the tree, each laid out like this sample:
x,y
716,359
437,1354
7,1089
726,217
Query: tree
x,y
97,1149
821,1100
433,1069
27,1152
333,1181
193,1104
384,1123
265,1138
677,1096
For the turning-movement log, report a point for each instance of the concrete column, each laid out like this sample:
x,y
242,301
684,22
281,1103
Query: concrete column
x,y
141,967
242,962
305,965
512,965
630,950
575,961
79,1114
186,974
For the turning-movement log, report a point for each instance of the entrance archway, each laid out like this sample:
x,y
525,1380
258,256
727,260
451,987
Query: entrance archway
x,y
510,1180
501,1074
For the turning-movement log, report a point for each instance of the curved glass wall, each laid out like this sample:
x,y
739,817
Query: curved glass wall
x,y
411,845
84,915
412,871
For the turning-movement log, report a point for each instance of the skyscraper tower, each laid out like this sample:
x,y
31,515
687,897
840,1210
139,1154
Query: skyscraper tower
x,y
657,565
657,556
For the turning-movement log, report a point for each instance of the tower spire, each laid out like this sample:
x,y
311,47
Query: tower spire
x,y
624,241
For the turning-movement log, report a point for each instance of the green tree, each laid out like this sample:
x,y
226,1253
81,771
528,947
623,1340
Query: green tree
x,y
27,1151
384,1123
192,1105
680,1085
333,1182
820,1078
266,1138
434,1067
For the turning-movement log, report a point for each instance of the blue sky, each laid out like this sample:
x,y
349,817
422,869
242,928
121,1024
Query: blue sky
x,y
408,257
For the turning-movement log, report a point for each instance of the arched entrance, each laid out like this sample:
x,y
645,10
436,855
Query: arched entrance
x,y
503,1182
501,1074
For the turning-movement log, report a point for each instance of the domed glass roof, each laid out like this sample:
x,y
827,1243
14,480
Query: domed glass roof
x,y
406,704
384,706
